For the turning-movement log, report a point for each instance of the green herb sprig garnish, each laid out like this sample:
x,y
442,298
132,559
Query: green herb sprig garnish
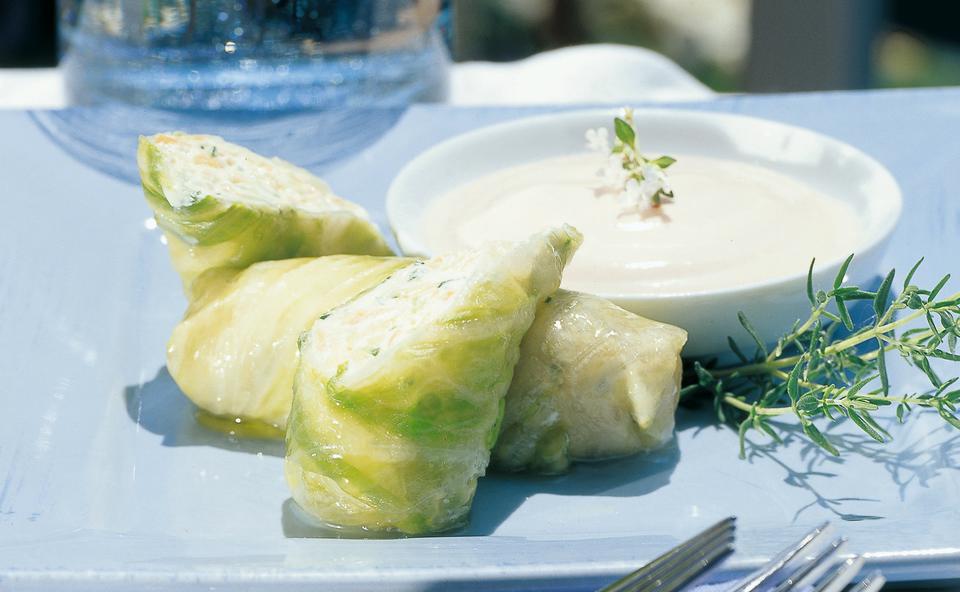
x,y
829,367
637,179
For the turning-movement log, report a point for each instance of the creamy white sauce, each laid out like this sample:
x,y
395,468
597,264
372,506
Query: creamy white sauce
x,y
731,224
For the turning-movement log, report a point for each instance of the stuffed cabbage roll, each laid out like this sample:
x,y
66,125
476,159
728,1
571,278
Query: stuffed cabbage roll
x,y
399,394
594,381
235,352
220,204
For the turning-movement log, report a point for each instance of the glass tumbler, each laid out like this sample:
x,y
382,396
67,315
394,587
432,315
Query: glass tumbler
x,y
254,55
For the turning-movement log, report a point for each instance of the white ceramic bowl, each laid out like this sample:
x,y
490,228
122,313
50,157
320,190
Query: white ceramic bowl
x,y
828,165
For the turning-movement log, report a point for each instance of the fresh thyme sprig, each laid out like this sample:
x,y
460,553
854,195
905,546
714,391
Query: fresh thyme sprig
x,y
829,367
638,179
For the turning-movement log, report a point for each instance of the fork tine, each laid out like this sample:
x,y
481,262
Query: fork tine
x,y
652,573
872,583
814,568
720,535
772,567
841,576
697,556
679,578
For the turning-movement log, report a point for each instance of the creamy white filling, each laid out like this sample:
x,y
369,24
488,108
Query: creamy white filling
x,y
382,318
195,166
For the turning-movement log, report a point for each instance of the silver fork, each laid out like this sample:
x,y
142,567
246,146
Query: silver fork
x,y
823,570
683,563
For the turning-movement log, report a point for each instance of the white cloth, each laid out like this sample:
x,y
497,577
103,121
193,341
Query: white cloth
x,y
32,88
581,74
600,73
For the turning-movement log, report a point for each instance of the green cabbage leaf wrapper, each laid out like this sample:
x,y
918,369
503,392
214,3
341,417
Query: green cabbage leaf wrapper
x,y
235,353
594,381
399,394
221,205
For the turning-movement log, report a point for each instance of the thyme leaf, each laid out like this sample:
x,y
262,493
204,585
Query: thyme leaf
x,y
829,367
